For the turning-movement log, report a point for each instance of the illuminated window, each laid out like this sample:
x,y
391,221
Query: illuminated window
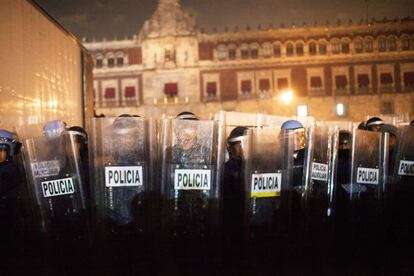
x,y
340,109
267,50
222,53
302,110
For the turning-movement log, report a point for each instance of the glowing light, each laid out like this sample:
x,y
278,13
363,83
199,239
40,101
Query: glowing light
x,y
287,96
302,110
340,109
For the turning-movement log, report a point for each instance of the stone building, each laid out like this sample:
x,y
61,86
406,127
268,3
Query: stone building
x,y
342,71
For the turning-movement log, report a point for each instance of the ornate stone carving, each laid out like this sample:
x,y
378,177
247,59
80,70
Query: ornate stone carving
x,y
169,19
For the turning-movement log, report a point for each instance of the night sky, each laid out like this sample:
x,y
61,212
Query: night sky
x,y
120,18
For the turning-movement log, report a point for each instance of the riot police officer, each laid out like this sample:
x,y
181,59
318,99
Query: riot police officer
x,y
233,193
374,124
296,188
11,182
189,186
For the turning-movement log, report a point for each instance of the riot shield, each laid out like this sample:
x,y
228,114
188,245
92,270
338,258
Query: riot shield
x,y
121,153
54,175
190,169
266,157
319,178
366,189
401,190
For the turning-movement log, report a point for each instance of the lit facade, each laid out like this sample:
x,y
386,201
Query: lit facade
x,y
171,66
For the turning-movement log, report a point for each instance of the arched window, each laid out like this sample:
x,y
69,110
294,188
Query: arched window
x,y
358,46
110,59
345,46
119,58
405,43
382,45
312,48
254,51
336,46
244,50
277,50
232,51
222,52
369,45
392,43
299,49
98,61
289,49
267,50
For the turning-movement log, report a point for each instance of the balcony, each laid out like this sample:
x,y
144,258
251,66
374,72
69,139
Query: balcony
x,y
317,92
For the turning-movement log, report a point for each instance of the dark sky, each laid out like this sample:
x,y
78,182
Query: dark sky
x,y
119,18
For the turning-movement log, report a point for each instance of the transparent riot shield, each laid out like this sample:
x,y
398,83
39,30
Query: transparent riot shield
x,y
295,145
319,178
190,170
401,189
54,175
266,157
122,154
366,189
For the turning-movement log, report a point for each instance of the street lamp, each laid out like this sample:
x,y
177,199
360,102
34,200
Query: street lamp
x,y
286,96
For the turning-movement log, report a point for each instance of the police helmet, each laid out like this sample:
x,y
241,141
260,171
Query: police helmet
x,y
237,134
186,115
9,140
374,121
53,129
362,125
291,125
124,123
391,129
77,130
344,137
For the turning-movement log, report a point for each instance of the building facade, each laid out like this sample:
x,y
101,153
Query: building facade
x,y
343,71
